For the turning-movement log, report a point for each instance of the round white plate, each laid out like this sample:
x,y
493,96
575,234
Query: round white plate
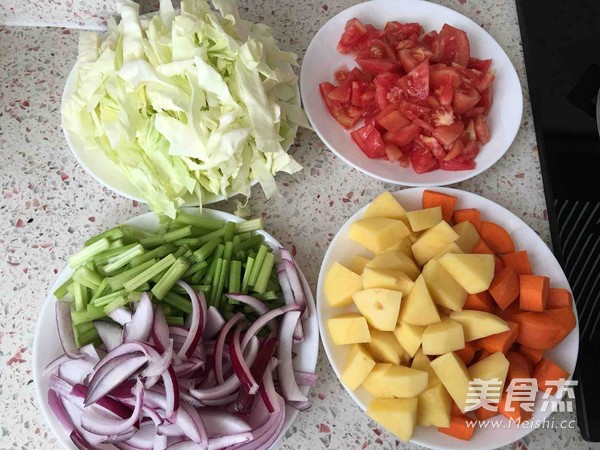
x,y
47,347
342,250
322,59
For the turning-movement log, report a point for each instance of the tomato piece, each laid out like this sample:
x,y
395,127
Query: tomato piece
x,y
456,149
484,82
376,49
470,131
386,89
465,99
344,116
430,38
445,93
413,110
369,141
455,46
433,101
412,28
393,32
416,82
363,94
457,164
392,120
482,65
423,124
354,32
342,92
486,100
482,130
448,134
405,135
442,116
433,145
340,75
378,65
423,160
440,75
473,112
392,152
471,151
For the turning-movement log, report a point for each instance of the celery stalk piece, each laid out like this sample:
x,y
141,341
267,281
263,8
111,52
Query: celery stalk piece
x,y
223,276
199,276
111,234
101,290
245,235
166,309
207,249
174,321
160,239
199,221
103,258
117,243
181,251
124,258
229,231
172,276
150,272
212,266
195,268
267,296
265,273
207,237
63,289
88,315
260,257
87,253
235,276
135,296
178,301
86,326
80,297
106,299
87,277
158,252
164,224
228,251
252,243
116,303
116,282
236,240
215,280
86,337
247,273
250,225
134,234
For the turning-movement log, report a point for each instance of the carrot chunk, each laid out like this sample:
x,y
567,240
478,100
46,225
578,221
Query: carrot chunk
x,y
479,355
518,415
533,292
447,202
518,261
468,215
484,414
559,298
565,318
496,237
482,248
481,301
498,264
547,370
532,355
500,342
505,287
510,312
518,366
468,353
459,428
538,330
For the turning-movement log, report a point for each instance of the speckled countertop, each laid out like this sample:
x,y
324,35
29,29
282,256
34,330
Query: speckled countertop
x,y
49,205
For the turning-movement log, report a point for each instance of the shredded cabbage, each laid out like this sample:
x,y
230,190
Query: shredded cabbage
x,y
187,104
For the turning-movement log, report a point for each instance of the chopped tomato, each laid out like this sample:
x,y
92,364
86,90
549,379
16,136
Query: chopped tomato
x,y
386,89
376,49
456,149
392,120
392,152
444,93
471,151
433,101
363,94
430,38
405,135
393,32
481,129
340,75
484,81
486,100
342,92
465,99
447,134
411,57
416,82
439,76
378,65
369,140
423,160
482,65
433,145
457,164
413,110
470,131
423,124
473,112
336,109
455,44
442,116
353,34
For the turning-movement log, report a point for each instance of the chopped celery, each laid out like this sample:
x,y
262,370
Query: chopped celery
x,y
199,276
207,249
88,315
117,243
211,268
101,290
160,239
252,243
158,252
80,296
178,301
103,258
150,272
135,296
267,296
245,235
236,239
175,321
82,328
190,242
87,277
215,281
106,299
227,252
116,303
119,261
235,276
85,338
87,253
229,231
247,272
200,221
172,276
264,274
249,225
181,251
166,309
260,257
117,281
195,268
164,224
63,289
133,234
110,234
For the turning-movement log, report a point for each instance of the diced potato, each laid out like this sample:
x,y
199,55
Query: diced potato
x,y
404,245
452,248
418,308
358,366
434,408
395,260
379,306
468,237
385,205
397,415
387,279
358,264
422,362
414,237
409,337
374,382
446,336
444,289
422,219
385,348
378,234
479,324
351,328
453,374
405,382
473,272
340,284
494,367
433,241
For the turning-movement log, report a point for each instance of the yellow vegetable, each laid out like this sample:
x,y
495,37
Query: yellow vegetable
x,y
446,336
378,234
398,415
358,264
468,237
473,272
358,366
379,306
433,241
385,205
422,219
351,328
422,362
494,367
479,324
453,374
434,407
385,348
418,308
444,289
340,284
387,279
409,337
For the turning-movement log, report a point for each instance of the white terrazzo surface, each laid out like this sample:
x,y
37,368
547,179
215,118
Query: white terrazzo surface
x,y
49,205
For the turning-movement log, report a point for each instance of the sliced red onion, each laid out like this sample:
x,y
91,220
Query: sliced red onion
x,y
80,442
300,406
60,386
75,414
171,391
263,320
289,387
111,375
296,285
59,410
140,327
110,334
268,394
254,303
157,363
160,330
123,390
218,352
160,442
184,445
109,404
121,437
214,323
55,364
222,442
258,368
64,324
121,315
266,426
305,378
75,370
144,437
223,401
95,422
191,424
220,423
240,367
90,353
198,320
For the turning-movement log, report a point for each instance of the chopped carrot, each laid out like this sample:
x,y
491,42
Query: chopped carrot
x,y
519,261
500,342
447,202
505,287
533,355
496,237
565,318
519,367
518,415
481,354
547,370
510,312
481,301
533,292
559,298
459,428
482,248
538,330
468,215
468,353
484,414
498,264
455,410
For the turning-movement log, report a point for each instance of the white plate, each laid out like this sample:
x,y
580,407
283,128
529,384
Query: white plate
x,y
322,59
46,344
342,250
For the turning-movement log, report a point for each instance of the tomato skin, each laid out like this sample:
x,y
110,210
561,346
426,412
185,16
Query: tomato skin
x,y
456,149
482,130
336,109
369,140
473,112
378,65
445,93
455,46
392,152
340,75
423,160
385,83
342,92
465,99
484,82
440,76
404,136
376,49
486,100
433,145
448,134
482,65
392,120
430,38
413,110
416,83
457,165
353,34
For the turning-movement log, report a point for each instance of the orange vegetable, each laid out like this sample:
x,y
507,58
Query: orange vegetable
x,y
459,428
519,367
518,415
559,298
519,261
533,292
455,410
505,287
484,414
532,355
480,302
468,215
500,342
482,248
547,370
468,353
498,264
479,355
565,318
496,237
538,330
447,202
510,312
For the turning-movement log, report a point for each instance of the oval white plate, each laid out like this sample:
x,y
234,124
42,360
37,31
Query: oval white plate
x,y
342,250
322,59
46,344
